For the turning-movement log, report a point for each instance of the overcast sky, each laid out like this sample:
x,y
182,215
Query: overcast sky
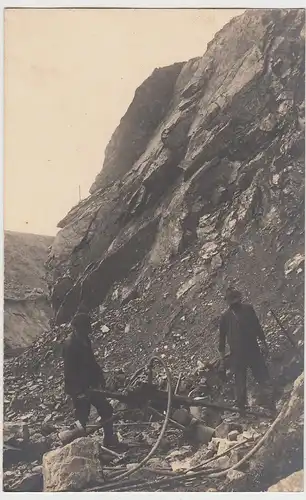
x,y
70,75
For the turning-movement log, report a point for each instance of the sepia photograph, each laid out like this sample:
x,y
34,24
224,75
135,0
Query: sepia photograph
x,y
153,300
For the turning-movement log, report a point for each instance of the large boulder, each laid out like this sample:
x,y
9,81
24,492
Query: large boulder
x,y
72,467
282,452
294,482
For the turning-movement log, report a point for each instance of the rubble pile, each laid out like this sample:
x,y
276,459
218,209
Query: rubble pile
x,y
29,465
36,410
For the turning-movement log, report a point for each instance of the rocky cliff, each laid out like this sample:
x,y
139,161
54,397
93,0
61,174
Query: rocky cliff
x,y
202,185
26,307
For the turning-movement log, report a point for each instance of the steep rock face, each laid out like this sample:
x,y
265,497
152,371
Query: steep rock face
x,y
26,308
217,196
113,206
130,139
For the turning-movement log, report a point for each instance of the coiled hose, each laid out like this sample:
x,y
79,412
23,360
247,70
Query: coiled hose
x,y
164,427
188,475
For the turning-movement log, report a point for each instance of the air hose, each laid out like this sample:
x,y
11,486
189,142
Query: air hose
x,y
164,427
189,475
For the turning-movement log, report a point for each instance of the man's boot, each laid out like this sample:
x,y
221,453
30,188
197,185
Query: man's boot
x,y
241,409
111,439
266,397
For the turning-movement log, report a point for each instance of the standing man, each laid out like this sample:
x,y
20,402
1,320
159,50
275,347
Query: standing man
x,y
82,374
240,327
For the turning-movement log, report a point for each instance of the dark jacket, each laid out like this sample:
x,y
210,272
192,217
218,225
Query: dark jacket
x,y
240,327
81,370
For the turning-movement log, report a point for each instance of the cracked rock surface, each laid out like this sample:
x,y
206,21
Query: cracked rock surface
x,y
202,186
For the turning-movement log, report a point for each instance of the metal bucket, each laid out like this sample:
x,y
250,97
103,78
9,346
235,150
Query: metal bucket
x,y
182,416
201,433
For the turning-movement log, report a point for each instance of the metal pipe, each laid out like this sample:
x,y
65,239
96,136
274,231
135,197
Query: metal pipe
x,y
173,422
159,395
178,383
111,452
150,378
164,427
132,424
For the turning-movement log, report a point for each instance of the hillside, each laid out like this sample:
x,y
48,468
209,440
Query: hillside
x,y
26,308
215,196
202,186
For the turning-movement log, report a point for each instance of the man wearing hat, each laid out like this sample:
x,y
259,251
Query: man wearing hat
x,y
82,375
240,328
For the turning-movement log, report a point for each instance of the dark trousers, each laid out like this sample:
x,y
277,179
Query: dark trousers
x,y
103,407
259,371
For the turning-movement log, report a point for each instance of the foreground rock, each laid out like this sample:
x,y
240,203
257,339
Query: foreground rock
x,y
282,452
294,482
72,467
